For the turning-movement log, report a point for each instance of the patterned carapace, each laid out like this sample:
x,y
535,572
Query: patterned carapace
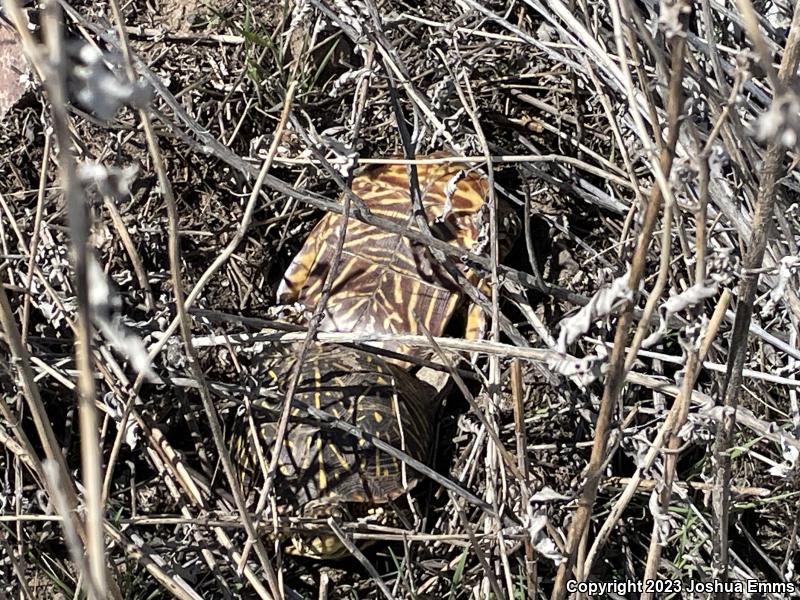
x,y
320,464
386,283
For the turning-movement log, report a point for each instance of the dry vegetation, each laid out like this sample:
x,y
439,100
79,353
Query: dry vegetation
x,y
652,430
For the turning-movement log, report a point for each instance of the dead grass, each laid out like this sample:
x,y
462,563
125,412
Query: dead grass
x,y
655,146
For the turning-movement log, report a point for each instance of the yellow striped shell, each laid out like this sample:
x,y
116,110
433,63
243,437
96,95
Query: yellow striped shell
x,y
319,464
386,283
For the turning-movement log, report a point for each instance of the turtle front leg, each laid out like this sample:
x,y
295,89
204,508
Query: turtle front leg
x,y
477,322
296,276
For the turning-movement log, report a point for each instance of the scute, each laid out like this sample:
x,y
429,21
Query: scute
x,y
318,460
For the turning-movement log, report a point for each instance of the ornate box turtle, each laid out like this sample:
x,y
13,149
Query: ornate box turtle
x,y
385,283
323,470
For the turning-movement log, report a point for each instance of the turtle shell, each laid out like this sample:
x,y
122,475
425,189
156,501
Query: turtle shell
x,y
386,283
320,461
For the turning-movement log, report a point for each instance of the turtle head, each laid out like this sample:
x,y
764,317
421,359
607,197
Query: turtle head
x,y
322,545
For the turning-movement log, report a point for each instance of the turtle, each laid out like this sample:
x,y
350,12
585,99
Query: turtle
x,y
386,283
324,468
